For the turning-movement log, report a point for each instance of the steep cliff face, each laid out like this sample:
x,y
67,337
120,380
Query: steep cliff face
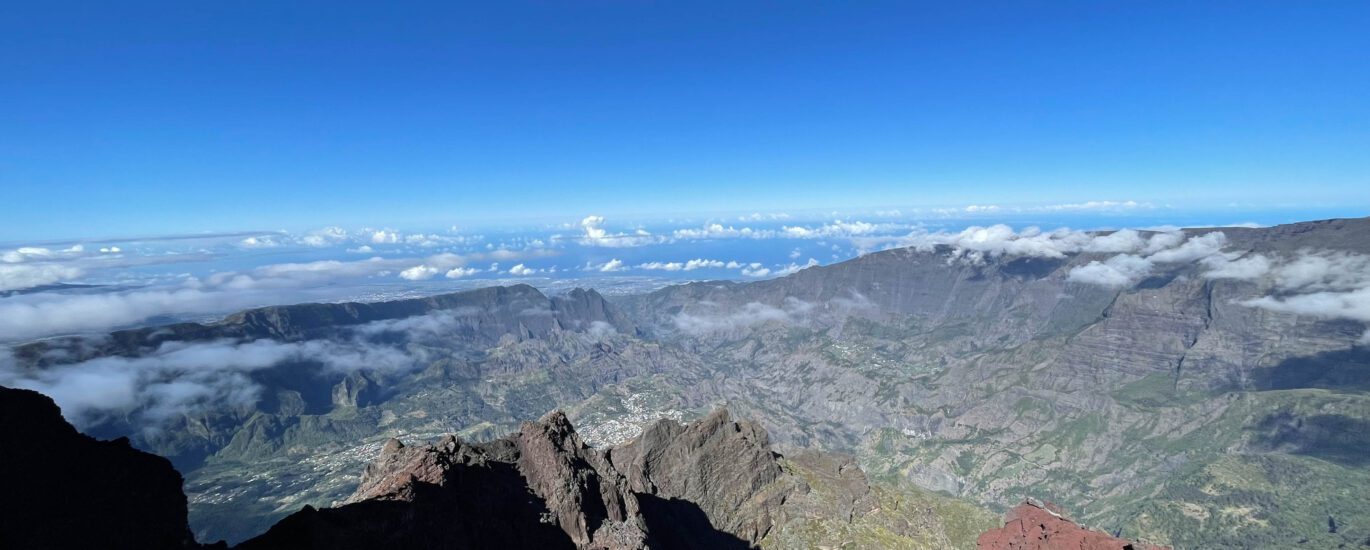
x,y
1030,526
62,489
711,484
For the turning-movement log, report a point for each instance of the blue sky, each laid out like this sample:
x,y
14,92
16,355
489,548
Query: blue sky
x,y
166,117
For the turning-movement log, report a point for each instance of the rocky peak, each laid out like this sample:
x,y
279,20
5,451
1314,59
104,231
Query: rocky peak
x,y
712,483
719,464
1044,526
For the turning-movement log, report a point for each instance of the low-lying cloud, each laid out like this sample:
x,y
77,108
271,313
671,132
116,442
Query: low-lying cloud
x,y
1321,284
714,318
181,378
1162,248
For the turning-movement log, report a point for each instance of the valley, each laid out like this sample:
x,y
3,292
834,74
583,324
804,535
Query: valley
x,y
1170,408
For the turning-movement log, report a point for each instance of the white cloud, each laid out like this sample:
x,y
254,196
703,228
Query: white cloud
x,y
976,243
459,272
327,236
794,268
611,266
21,276
1122,241
594,234
1354,305
260,241
1322,284
661,266
181,378
45,314
385,236
1163,240
419,273
39,315
363,249
1324,270
1195,248
836,229
1233,266
700,263
706,318
1118,271
718,231
755,269
26,254
691,265
521,270
751,314
1126,269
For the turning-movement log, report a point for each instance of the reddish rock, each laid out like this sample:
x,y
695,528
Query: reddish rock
x,y
1045,527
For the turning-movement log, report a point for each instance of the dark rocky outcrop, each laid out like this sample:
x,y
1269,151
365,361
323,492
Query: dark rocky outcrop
x,y
711,484
62,489
1031,526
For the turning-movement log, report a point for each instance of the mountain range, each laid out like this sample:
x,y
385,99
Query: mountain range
x,y
1185,388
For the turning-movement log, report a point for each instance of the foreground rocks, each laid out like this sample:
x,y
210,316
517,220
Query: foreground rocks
x,y
714,483
1042,527
62,489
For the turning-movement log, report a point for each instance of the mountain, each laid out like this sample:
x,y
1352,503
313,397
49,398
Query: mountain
x,y
475,362
63,489
712,484
1168,408
1213,391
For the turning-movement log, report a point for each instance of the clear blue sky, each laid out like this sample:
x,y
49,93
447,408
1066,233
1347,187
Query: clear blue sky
x,y
122,118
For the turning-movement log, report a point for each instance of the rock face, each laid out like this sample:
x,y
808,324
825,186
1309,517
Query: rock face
x,y
711,484
62,489
1033,527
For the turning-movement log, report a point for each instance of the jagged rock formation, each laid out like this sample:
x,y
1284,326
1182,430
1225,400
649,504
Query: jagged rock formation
x,y
61,489
1030,526
711,484
542,487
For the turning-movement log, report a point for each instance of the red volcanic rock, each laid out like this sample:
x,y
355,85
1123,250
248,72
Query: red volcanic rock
x,y
1033,527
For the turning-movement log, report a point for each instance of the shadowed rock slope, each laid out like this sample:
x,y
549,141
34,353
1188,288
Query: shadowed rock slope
x,y
714,483
62,489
